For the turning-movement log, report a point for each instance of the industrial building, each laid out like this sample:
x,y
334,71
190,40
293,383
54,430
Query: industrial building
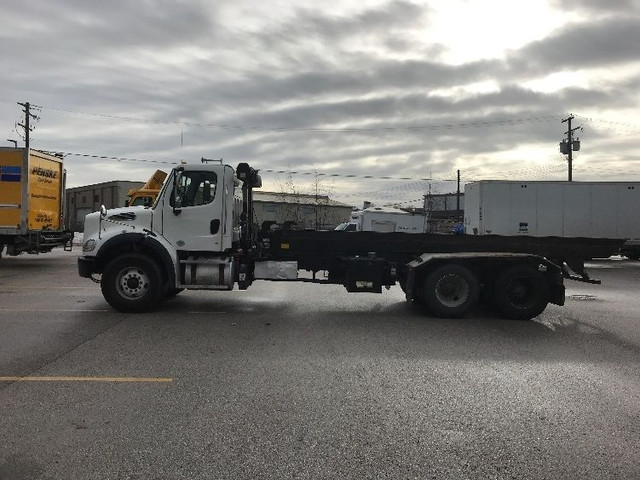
x,y
317,212
83,200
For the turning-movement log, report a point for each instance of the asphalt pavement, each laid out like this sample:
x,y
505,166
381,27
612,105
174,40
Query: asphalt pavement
x,y
309,381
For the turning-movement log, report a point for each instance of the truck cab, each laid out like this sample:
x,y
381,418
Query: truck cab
x,y
186,239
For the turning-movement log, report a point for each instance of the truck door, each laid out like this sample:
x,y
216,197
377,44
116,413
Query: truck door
x,y
195,222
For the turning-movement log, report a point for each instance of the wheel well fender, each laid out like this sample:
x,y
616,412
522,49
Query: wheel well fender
x,y
140,243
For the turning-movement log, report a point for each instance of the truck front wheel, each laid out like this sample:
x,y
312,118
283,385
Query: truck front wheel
x,y
521,292
132,283
450,291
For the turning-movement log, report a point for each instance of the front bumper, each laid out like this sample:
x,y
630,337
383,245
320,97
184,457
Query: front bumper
x,y
87,266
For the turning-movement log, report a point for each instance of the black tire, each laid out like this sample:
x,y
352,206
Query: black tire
x,y
132,283
171,292
450,291
521,292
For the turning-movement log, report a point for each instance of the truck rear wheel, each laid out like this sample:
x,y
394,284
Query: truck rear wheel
x,y
171,292
450,291
132,283
521,292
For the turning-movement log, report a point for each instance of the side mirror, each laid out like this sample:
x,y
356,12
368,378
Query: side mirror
x,y
103,211
177,195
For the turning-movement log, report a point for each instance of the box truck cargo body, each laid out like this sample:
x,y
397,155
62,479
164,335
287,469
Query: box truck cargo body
x,y
31,201
560,209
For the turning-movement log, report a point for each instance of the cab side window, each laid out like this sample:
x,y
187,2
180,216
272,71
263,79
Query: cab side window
x,y
196,188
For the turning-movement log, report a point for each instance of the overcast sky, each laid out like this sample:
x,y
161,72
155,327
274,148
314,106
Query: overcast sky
x,y
402,89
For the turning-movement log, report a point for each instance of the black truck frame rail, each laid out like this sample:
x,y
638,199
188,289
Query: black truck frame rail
x,y
316,250
449,274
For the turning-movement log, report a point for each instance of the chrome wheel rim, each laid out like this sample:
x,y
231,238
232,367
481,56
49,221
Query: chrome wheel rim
x,y
452,290
132,283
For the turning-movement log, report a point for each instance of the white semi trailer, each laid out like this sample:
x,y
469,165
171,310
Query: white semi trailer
x,y
555,209
385,219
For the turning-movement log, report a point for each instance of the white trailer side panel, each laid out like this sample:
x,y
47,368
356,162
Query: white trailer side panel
x,y
563,209
576,210
628,211
549,199
522,206
604,204
472,208
495,209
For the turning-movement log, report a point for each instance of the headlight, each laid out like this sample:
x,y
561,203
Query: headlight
x,y
89,245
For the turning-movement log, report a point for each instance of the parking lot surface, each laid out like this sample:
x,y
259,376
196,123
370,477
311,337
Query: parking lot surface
x,y
307,381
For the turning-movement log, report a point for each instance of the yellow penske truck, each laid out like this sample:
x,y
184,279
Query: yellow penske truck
x,y
32,185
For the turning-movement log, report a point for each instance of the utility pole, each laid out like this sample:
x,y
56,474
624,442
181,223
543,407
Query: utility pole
x,y
458,198
570,145
27,119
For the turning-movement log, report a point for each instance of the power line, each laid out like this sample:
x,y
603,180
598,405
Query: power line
x,y
446,126
126,159
416,182
343,175
624,125
105,157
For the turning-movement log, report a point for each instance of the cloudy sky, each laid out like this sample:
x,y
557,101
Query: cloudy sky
x,y
411,90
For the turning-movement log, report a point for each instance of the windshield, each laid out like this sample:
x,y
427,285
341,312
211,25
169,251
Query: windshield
x,y
196,188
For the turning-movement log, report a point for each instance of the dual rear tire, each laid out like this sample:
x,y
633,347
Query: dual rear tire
x,y
520,292
450,291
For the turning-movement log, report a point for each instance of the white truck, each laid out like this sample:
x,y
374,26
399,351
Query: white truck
x,y
384,219
555,209
200,235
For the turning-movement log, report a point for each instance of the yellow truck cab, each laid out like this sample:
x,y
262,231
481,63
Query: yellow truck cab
x,y
147,194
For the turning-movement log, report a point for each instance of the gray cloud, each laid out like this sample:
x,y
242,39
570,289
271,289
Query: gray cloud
x,y
608,42
302,91
384,22
603,6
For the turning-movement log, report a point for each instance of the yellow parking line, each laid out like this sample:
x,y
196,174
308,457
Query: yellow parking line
x,y
47,310
86,379
48,287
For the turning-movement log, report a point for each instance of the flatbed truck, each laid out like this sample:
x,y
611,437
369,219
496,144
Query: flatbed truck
x,y
199,235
